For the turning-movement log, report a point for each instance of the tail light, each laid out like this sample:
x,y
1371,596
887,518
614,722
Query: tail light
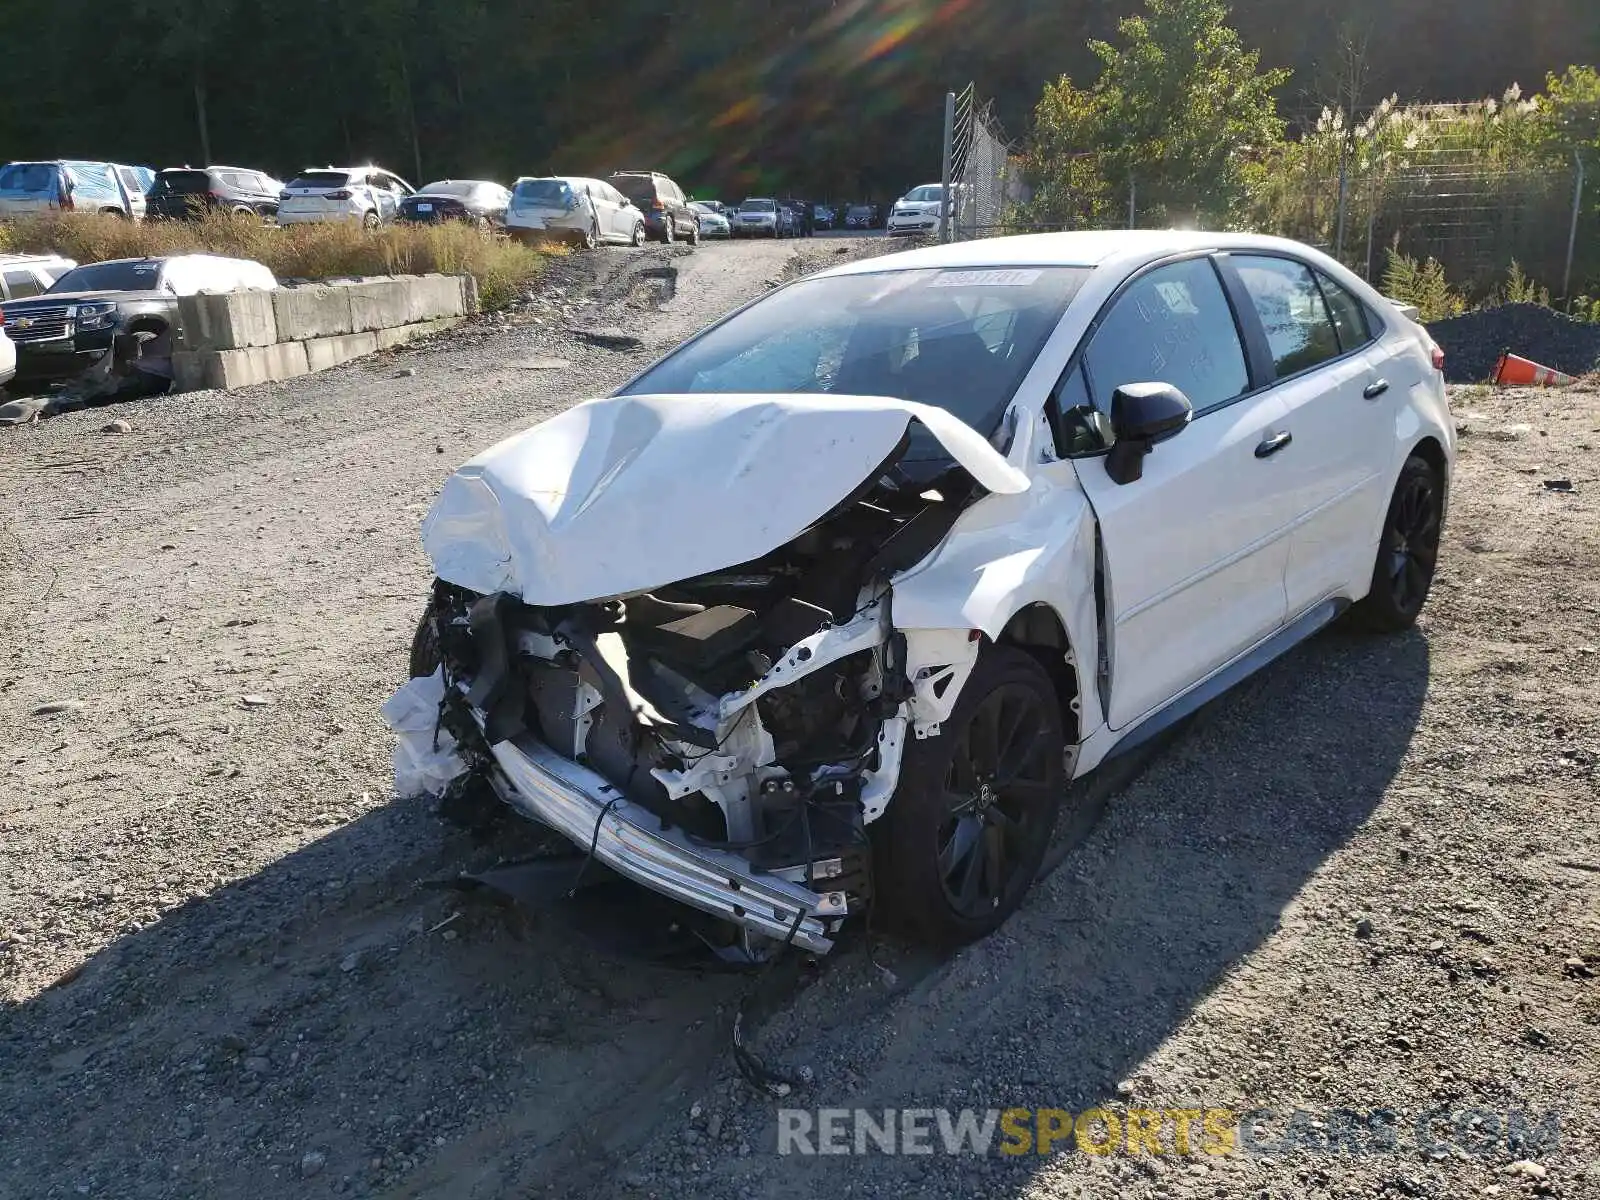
x,y
656,206
1438,360
341,194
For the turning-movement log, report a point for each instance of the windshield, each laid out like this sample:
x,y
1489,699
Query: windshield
x,y
958,339
860,210
542,193
325,180
928,191
758,206
136,275
704,208
28,177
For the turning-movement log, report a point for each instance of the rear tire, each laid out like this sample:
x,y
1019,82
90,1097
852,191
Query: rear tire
x,y
1408,552
694,234
591,236
970,822
638,234
369,220
669,234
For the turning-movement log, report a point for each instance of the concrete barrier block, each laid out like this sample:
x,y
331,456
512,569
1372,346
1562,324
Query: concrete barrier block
x,y
435,296
322,353
311,312
379,304
401,334
227,321
195,369
469,294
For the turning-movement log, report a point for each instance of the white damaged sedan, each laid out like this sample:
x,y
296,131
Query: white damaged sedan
x,y
827,606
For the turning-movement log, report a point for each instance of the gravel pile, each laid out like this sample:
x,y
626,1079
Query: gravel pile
x,y
1473,342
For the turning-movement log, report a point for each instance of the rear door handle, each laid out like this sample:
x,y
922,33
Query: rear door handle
x,y
1273,444
1375,389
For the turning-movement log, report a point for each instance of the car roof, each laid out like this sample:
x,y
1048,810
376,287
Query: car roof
x,y
170,258
1129,247
29,258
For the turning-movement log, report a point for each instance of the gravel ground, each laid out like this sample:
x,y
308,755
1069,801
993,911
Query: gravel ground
x,y
1366,880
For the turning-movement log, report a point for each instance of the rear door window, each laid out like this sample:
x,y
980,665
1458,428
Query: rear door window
x,y
1300,332
1172,325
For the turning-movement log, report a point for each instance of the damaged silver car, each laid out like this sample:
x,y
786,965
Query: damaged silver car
x,y
824,608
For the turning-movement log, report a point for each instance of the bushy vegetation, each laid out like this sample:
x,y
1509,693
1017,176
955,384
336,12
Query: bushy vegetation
x,y
502,268
1181,126
1422,284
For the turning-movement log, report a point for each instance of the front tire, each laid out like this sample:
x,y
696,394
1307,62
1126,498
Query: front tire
x,y
970,821
1408,552
425,658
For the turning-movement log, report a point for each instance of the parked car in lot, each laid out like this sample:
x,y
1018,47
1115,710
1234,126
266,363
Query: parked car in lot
x,y
822,216
862,216
72,325
667,215
74,185
712,223
475,201
8,355
24,275
180,192
1024,503
918,211
757,217
368,195
572,208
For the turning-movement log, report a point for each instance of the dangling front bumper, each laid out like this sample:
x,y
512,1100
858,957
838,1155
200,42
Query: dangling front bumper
x,y
587,810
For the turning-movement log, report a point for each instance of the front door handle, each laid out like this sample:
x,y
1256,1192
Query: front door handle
x,y
1273,444
1375,389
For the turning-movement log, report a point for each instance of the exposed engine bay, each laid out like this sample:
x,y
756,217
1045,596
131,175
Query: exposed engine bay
x,y
758,711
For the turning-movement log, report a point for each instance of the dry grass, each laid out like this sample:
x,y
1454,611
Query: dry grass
x,y
502,268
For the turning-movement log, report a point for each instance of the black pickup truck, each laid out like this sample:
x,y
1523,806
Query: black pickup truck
x,y
128,304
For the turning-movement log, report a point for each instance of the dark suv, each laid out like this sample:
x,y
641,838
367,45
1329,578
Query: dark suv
x,y
185,191
667,215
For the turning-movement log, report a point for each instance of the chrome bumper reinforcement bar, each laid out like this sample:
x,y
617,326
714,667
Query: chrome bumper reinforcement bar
x,y
632,841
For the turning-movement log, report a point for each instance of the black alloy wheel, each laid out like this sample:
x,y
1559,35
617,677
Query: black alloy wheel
x,y
967,829
1408,551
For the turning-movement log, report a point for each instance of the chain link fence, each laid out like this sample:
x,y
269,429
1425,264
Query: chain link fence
x,y
1475,221
979,156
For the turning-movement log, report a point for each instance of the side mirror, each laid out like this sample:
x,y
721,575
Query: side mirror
x,y
1143,414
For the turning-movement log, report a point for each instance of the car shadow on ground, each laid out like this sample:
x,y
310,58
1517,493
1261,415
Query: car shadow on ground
x,y
1205,841
331,1014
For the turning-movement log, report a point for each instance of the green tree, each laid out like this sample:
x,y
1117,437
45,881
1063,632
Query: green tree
x,y
1572,105
1179,112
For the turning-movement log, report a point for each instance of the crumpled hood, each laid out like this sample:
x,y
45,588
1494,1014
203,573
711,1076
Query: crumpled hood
x,y
630,493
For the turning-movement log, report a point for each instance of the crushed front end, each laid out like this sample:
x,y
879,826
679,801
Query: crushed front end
x,y
723,740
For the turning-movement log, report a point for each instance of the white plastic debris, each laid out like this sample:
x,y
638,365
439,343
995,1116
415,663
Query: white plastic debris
x,y
425,755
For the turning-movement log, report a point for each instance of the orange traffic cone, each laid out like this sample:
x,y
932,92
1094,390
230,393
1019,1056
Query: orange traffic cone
x,y
1514,371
